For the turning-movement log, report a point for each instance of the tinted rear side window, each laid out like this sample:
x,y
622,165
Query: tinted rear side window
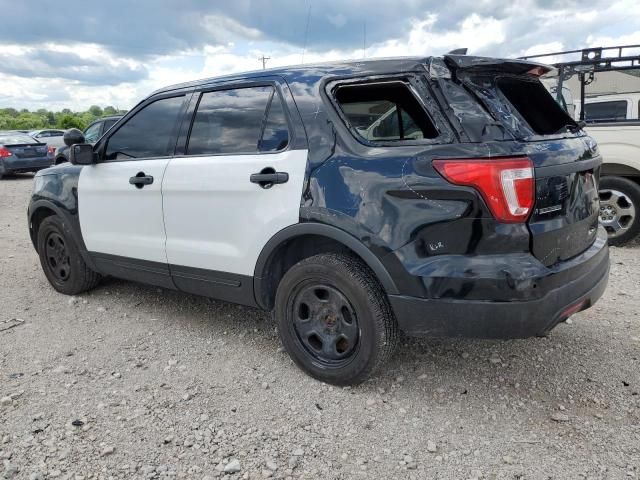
x,y
535,104
384,112
150,132
275,135
605,111
232,121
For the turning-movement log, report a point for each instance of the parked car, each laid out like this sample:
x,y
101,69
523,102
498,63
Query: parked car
x,y
21,153
52,137
258,189
91,134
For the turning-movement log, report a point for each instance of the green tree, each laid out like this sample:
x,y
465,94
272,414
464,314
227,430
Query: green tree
x,y
109,110
70,121
95,110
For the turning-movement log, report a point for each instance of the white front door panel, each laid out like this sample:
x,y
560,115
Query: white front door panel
x,y
216,219
118,218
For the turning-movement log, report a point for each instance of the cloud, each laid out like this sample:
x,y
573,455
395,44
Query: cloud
x,y
119,51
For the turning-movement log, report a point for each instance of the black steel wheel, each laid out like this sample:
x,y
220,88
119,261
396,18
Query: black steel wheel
x,y
61,260
334,318
57,257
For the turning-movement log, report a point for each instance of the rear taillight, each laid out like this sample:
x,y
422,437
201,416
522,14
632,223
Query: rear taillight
x,y
4,152
506,184
51,150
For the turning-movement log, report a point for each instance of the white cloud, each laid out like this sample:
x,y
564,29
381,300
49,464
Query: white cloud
x,y
519,28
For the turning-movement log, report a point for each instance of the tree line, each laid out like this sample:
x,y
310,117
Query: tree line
x,y
13,119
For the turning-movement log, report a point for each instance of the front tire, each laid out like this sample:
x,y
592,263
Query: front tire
x,y
620,209
334,319
61,260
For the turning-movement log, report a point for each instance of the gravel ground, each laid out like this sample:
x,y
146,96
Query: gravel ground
x,y
130,381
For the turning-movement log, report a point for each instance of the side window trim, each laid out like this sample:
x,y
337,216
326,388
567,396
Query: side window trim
x,y
100,147
199,93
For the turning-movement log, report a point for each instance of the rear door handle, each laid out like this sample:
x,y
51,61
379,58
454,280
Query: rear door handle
x,y
267,178
141,179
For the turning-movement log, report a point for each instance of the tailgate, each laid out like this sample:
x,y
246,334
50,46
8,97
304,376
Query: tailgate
x,y
564,221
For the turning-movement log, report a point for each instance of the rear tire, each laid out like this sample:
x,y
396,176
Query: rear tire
x,y
620,209
334,319
61,260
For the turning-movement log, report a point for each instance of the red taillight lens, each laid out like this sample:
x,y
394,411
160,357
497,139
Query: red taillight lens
x,y
506,184
51,150
4,152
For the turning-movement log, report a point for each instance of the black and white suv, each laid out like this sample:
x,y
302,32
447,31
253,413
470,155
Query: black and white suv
x,y
435,196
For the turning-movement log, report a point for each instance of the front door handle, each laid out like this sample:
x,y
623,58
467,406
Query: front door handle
x,y
268,177
141,179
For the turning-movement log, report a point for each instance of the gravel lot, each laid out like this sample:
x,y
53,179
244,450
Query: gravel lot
x,y
131,381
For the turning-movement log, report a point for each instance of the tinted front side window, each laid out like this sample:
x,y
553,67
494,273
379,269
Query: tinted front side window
x,y
606,111
229,121
150,132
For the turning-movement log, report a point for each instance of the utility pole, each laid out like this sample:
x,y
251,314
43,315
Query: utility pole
x,y
264,61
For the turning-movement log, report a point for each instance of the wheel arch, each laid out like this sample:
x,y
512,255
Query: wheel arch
x,y
300,241
43,208
620,170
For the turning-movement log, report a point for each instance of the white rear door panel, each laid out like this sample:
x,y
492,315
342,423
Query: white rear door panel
x,y
216,219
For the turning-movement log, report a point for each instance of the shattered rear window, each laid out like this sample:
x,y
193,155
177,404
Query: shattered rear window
x,y
534,104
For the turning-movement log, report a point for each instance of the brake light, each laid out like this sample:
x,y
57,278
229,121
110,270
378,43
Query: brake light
x,y
506,184
4,152
51,150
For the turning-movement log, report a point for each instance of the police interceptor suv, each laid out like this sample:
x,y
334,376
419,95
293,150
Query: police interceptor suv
x,y
441,196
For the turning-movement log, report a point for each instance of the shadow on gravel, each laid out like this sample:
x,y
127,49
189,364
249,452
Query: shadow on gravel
x,y
17,177
455,366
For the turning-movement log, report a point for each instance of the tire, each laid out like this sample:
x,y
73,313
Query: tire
x,y
334,319
620,209
61,260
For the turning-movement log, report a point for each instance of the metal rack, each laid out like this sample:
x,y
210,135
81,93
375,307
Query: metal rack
x,y
592,60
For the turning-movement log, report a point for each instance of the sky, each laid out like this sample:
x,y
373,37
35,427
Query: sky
x,y
65,54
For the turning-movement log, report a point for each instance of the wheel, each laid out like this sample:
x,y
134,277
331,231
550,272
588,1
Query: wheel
x,y
61,260
620,209
334,319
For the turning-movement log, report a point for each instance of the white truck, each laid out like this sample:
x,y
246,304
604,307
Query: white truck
x,y
614,123
612,117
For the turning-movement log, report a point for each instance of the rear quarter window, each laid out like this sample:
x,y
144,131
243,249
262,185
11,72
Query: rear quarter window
x,y
384,112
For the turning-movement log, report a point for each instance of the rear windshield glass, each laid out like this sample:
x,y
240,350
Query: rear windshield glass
x,y
17,139
384,112
534,104
606,111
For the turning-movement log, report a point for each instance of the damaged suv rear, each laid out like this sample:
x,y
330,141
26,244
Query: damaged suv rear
x,y
475,189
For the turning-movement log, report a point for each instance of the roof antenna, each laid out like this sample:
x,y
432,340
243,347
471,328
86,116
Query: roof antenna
x,y
306,33
364,40
458,51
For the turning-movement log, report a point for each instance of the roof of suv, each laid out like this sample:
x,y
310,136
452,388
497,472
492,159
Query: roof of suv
x,y
312,71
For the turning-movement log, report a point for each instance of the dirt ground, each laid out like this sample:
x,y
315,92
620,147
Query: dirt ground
x,y
130,381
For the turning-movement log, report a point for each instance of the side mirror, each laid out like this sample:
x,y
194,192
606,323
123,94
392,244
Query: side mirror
x,y
81,154
73,136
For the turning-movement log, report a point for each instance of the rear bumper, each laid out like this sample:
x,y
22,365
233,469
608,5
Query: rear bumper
x,y
567,288
15,164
